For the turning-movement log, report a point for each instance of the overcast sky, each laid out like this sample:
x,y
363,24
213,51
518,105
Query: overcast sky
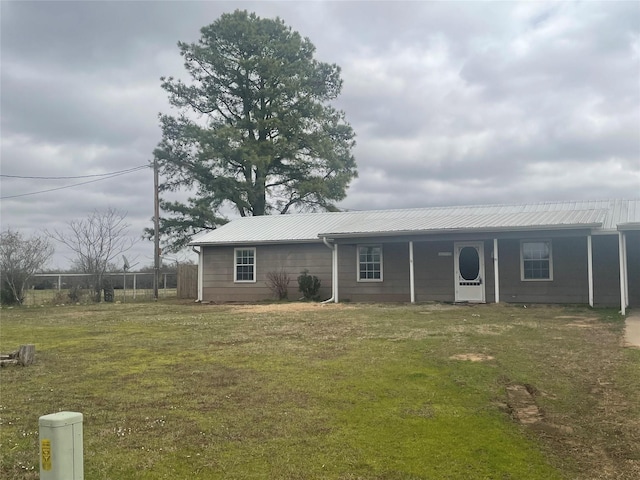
x,y
452,102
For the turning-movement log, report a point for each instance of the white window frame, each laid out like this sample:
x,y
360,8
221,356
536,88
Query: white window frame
x,y
550,245
236,264
366,280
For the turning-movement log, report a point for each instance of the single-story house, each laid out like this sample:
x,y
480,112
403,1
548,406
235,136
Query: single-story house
x,y
583,252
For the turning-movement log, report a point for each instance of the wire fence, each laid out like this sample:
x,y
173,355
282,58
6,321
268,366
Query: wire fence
x,y
66,288
67,296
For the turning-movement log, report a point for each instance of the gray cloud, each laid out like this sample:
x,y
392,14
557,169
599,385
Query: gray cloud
x,y
452,102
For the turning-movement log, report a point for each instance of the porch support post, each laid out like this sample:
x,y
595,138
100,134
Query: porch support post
x,y
412,284
623,277
496,271
590,269
335,273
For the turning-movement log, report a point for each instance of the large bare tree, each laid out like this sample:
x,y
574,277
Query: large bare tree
x,y
20,258
96,241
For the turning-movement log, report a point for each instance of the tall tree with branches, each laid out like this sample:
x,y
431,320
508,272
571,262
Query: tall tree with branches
x,y
255,130
20,258
96,241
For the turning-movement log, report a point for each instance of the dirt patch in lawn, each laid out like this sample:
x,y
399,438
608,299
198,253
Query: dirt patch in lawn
x,y
578,321
473,357
480,328
284,307
437,307
522,404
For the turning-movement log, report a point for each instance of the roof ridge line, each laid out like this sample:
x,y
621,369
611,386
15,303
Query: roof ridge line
x,y
453,207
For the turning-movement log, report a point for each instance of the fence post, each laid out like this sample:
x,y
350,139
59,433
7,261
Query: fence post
x,y
61,450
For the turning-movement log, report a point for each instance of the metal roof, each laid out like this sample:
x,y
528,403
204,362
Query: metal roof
x,y
599,215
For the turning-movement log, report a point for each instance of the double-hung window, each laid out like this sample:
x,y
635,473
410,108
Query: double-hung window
x,y
370,263
245,265
536,261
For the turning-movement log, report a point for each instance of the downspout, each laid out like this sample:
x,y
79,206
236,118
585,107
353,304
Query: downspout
x,y
200,271
334,271
496,272
590,268
412,278
626,271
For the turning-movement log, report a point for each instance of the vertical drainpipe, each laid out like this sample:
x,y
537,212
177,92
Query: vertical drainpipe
x,y
200,271
201,274
496,271
590,269
334,271
412,282
626,273
623,279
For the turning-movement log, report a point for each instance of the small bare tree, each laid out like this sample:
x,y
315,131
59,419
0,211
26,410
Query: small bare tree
x,y
96,241
20,258
278,283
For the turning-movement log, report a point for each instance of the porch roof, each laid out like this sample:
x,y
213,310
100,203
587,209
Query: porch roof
x,y
602,216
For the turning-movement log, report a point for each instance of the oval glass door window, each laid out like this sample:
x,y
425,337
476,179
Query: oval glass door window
x,y
469,263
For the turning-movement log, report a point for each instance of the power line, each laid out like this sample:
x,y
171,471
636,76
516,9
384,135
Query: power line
x,y
140,167
75,184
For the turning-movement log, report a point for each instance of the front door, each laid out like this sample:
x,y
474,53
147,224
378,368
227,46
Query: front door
x,y
469,272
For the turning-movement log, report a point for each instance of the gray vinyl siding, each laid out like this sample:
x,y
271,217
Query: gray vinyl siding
x,y
489,273
434,272
633,267
394,286
606,270
218,281
434,279
570,280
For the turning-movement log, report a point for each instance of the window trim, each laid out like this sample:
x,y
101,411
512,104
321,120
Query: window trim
x,y
369,280
537,240
236,264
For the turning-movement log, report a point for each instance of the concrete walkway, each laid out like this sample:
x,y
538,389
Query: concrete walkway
x,y
632,330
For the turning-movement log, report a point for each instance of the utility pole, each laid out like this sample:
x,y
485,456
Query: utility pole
x,y
156,230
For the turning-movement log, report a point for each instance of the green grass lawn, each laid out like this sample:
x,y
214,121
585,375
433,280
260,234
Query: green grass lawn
x,y
294,391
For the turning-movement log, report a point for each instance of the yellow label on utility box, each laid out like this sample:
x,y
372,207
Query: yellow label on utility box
x,y
45,448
